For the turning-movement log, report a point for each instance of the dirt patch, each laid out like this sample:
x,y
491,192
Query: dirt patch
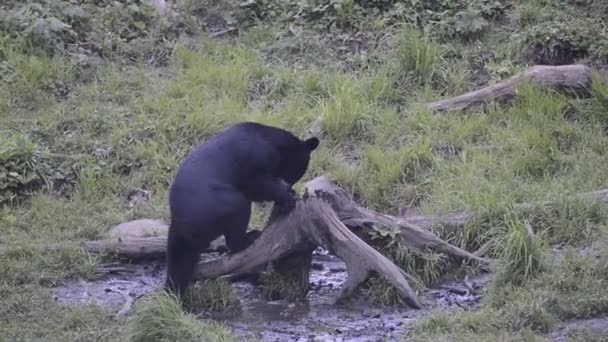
x,y
317,319
112,286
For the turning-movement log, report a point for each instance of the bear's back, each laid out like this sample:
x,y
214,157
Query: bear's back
x,y
235,154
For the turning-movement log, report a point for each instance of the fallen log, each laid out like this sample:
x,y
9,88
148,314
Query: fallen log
x,y
574,78
138,248
455,221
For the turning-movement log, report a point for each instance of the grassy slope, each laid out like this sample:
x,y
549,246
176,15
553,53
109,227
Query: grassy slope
x,y
128,126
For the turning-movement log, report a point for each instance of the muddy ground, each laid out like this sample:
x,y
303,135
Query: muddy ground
x,y
318,319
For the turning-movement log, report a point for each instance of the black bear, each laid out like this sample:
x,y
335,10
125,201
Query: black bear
x,y
215,186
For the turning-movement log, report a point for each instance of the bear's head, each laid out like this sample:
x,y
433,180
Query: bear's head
x,y
296,162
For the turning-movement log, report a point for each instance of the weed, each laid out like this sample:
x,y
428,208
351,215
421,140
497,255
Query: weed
x,y
345,115
600,101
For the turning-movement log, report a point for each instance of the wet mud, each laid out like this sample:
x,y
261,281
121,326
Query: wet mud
x,y
316,319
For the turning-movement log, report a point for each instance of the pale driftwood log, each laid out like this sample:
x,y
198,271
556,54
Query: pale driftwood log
x,y
570,78
134,248
455,221
138,248
599,195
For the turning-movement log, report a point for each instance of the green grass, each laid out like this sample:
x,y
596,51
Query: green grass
x,y
569,287
30,314
162,318
75,138
211,294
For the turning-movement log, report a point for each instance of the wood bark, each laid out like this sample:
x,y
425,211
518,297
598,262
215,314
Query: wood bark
x,y
574,78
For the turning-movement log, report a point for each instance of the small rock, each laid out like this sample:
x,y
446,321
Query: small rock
x,y
139,228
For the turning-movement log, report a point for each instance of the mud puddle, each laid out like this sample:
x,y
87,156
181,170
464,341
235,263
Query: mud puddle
x,y
316,319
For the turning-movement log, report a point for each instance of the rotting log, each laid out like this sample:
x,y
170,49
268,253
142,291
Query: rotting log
x,y
574,78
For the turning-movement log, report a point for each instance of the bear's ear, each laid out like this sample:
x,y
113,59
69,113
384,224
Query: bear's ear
x,y
312,143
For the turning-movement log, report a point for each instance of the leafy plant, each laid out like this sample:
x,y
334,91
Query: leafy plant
x,y
24,169
455,18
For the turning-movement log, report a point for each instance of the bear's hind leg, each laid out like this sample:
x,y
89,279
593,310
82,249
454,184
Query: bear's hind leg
x,y
182,258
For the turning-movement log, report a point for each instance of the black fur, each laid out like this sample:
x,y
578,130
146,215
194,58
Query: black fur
x,y
216,184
